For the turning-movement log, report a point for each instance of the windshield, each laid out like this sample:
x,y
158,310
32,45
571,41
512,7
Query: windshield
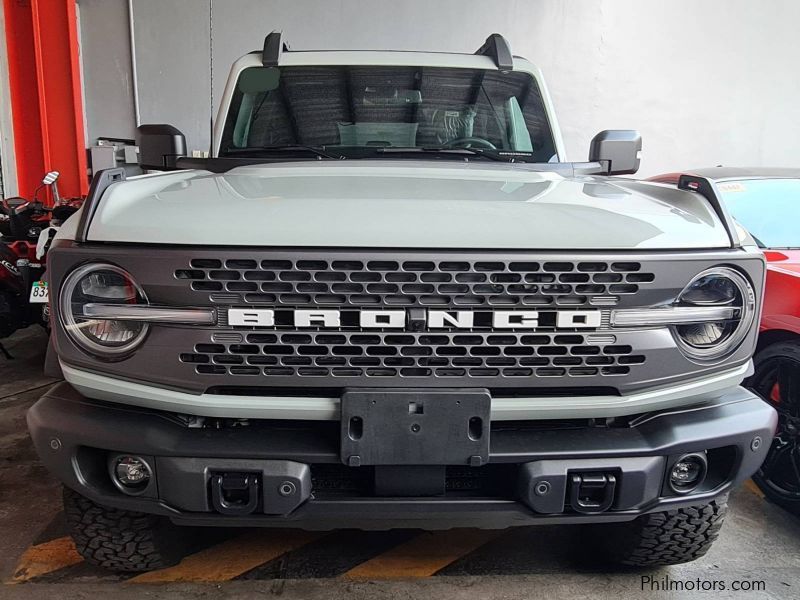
x,y
768,208
363,111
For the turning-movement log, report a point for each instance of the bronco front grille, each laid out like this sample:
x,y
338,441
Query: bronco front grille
x,y
387,282
349,283
287,355
349,354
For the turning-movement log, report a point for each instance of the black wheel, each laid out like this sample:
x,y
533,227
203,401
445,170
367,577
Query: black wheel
x,y
121,540
657,539
777,380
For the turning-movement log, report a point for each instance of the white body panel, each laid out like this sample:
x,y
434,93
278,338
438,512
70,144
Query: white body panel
x,y
403,204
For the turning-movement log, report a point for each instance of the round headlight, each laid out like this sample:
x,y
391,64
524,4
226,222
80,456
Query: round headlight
x,y
718,287
97,283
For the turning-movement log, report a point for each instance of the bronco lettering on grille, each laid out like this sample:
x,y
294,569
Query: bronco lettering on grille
x,y
397,319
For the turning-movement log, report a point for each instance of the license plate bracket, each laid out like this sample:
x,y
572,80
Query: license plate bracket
x,y
415,427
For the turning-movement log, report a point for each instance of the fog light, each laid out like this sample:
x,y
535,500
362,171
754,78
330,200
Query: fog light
x,y
687,473
132,472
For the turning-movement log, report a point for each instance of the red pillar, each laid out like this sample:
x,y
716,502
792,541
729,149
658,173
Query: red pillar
x,y
46,103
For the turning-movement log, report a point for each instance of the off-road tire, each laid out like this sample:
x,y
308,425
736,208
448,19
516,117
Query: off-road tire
x,y
659,539
121,540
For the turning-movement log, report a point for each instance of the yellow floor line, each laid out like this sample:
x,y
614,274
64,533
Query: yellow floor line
x,y
46,558
232,558
752,487
423,555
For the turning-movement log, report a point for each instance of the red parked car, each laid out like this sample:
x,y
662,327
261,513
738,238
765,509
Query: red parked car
x,y
766,202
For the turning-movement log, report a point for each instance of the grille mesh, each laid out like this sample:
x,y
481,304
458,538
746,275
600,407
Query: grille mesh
x,y
351,354
319,282
349,283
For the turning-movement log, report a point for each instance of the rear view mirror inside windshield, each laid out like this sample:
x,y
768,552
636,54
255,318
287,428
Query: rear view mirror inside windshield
x,y
256,80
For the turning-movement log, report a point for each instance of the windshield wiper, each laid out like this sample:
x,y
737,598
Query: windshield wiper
x,y
321,151
482,152
258,150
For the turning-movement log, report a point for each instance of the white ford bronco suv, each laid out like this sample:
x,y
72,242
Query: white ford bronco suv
x,y
387,300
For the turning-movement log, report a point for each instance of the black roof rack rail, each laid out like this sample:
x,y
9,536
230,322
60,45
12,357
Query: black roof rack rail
x,y
273,47
705,187
101,181
496,47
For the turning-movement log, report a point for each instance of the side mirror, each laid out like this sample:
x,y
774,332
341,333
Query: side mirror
x,y
50,178
618,150
160,146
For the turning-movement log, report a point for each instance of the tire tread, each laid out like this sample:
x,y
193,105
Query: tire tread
x,y
663,538
116,539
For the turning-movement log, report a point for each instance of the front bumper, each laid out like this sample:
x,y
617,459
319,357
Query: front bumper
x,y
76,437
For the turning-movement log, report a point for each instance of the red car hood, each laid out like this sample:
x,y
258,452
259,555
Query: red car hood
x,y
784,260
782,297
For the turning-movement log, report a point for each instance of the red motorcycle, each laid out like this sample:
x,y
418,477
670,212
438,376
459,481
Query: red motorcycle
x,y
26,231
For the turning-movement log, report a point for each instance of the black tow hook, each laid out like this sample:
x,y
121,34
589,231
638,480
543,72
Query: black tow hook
x,y
235,493
592,492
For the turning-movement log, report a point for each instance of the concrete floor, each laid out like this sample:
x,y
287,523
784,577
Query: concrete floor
x,y
759,542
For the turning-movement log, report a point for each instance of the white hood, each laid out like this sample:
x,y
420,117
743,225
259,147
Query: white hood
x,y
403,204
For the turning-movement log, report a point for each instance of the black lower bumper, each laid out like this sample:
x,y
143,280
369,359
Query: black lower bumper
x,y
530,477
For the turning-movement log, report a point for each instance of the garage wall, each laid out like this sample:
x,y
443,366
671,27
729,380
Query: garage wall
x,y
705,82
173,52
107,78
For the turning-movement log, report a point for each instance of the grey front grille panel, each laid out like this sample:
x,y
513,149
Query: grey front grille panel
x,y
159,363
415,355
320,281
